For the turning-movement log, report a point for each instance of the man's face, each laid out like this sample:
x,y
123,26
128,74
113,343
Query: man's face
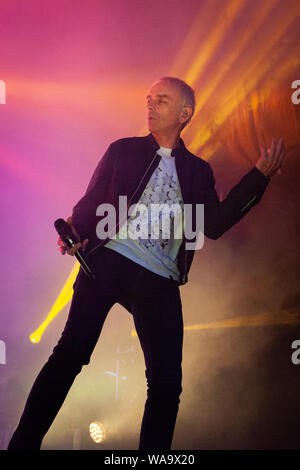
x,y
164,108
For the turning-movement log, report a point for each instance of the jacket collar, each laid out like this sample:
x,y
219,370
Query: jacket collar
x,y
178,151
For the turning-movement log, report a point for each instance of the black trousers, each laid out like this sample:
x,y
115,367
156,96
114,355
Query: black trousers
x,y
155,303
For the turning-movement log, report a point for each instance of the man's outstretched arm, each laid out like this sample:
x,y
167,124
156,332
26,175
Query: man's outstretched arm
x,y
221,216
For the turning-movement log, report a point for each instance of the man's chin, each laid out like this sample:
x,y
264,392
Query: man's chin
x,y
151,126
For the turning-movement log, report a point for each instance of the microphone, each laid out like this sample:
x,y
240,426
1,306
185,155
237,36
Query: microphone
x,y
66,234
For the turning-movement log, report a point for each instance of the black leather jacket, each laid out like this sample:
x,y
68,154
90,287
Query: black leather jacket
x,y
126,168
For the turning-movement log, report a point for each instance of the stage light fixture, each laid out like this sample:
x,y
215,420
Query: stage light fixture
x,y
97,432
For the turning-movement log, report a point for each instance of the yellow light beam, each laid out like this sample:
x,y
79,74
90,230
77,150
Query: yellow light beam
x,y
194,36
262,63
288,317
203,137
214,39
63,298
232,55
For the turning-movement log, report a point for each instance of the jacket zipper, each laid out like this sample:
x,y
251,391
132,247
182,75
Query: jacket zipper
x,y
183,278
185,260
248,203
98,246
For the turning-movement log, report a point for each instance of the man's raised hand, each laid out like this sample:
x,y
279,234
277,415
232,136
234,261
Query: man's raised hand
x,y
271,159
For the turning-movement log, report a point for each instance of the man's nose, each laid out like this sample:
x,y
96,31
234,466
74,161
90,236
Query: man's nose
x,y
150,103
151,108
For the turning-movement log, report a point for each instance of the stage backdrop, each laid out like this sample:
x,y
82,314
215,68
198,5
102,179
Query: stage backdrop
x,y
74,76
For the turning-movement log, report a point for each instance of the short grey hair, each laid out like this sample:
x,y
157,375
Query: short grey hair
x,y
187,93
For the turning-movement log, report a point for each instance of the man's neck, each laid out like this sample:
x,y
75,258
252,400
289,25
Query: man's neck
x,y
167,141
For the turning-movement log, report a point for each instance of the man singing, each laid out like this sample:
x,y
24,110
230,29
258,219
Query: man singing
x,y
142,273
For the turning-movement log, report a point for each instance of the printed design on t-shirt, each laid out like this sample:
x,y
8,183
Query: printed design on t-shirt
x,y
163,188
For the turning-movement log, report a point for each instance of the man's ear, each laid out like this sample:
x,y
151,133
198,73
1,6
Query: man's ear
x,y
185,114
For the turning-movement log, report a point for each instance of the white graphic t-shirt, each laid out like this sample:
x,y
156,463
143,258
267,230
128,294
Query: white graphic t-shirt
x,y
153,233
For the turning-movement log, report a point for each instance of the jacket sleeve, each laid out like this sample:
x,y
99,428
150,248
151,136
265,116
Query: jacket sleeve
x,y
221,216
84,213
